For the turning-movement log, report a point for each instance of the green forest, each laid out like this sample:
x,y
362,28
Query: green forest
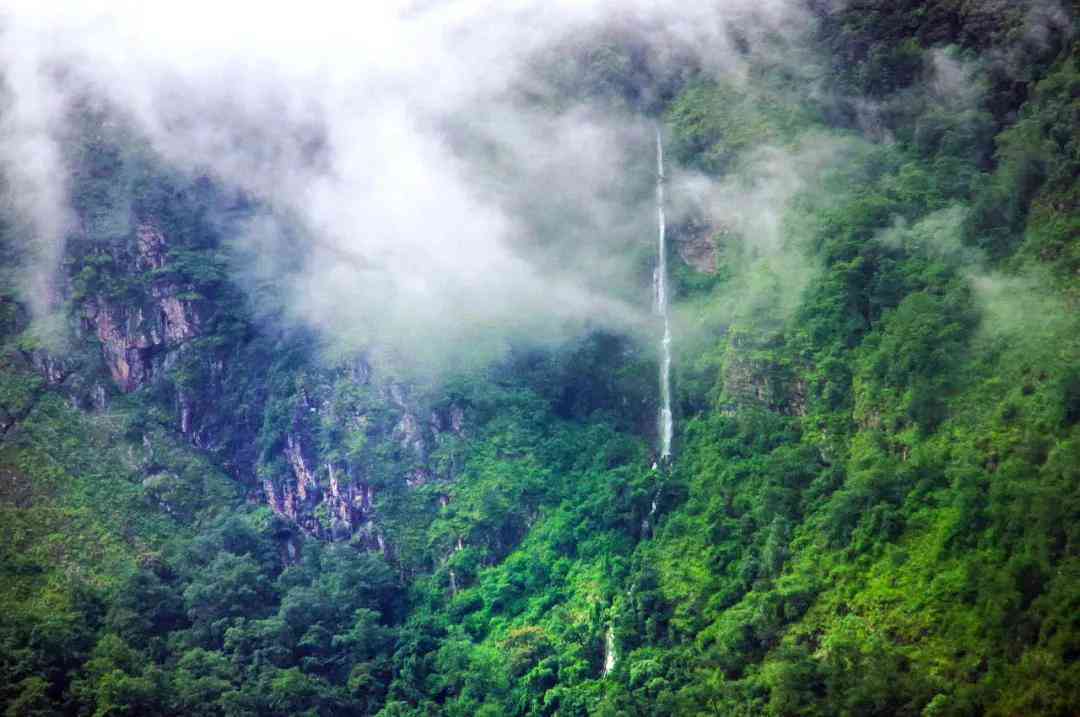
x,y
873,502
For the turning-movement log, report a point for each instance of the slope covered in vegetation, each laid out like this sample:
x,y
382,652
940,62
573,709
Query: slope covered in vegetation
x,y
874,502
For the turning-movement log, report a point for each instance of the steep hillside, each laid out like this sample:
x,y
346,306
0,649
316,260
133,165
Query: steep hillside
x,y
873,503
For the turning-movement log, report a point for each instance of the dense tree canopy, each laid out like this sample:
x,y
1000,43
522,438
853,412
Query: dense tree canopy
x,y
874,506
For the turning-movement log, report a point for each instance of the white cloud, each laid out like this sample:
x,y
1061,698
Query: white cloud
x,y
408,239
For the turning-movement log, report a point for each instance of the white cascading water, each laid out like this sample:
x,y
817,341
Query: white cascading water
x,y
660,288
609,651
660,295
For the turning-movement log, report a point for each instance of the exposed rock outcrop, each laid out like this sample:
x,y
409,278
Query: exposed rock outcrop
x,y
307,475
53,368
748,381
330,495
135,338
695,246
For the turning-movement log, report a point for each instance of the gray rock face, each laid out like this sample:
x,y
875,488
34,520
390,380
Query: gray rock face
x,y
695,246
152,247
330,497
54,369
753,382
307,475
136,338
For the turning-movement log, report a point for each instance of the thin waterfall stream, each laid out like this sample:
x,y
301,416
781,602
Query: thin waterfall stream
x,y
660,305
609,651
660,287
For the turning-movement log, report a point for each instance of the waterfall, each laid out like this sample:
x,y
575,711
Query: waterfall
x,y
660,289
609,651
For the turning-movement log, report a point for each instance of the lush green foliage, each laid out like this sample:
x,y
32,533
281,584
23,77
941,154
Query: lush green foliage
x,y
875,499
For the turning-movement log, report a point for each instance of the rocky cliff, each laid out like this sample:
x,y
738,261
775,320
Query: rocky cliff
x,y
153,317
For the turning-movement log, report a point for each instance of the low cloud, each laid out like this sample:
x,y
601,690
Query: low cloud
x,y
426,184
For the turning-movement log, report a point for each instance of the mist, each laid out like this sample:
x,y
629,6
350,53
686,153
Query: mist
x,y
426,182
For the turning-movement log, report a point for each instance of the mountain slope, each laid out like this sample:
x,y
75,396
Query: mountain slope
x,y
874,497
